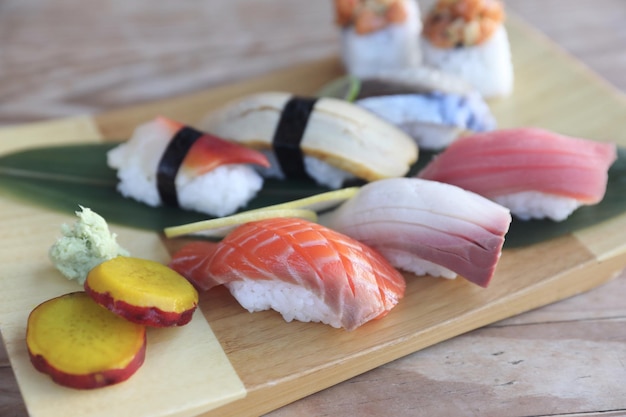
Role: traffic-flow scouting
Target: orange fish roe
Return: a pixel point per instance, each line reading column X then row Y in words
column 457, row 23
column 369, row 16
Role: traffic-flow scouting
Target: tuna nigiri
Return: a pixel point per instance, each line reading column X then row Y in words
column 167, row 163
column 533, row 172
column 427, row 227
column 301, row 269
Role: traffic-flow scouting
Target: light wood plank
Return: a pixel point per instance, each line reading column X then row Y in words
column 495, row 371
column 149, row 61
column 173, row 380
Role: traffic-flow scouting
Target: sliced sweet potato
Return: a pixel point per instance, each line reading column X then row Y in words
column 82, row 345
column 143, row 291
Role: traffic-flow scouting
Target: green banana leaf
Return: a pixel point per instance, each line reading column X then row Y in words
column 63, row 177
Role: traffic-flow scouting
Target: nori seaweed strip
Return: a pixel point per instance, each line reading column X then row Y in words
column 170, row 163
column 288, row 135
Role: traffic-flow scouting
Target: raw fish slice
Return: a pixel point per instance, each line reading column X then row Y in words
column 527, row 163
column 210, row 152
column 303, row 270
column 192, row 261
column 427, row 227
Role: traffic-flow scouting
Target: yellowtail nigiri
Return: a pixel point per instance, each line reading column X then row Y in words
column 427, row 227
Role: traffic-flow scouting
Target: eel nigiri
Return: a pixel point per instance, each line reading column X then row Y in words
column 467, row 38
column 301, row 269
column 324, row 139
column 378, row 34
column 427, row 227
column 167, row 163
column 534, row 172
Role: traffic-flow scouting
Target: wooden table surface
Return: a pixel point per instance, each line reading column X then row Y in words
column 63, row 58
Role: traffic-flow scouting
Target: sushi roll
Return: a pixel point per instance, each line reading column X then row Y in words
column 378, row 34
column 426, row 227
column 467, row 38
column 327, row 140
column 302, row 270
column 167, row 163
column 534, row 172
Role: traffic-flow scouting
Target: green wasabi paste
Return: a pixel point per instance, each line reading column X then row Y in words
column 84, row 245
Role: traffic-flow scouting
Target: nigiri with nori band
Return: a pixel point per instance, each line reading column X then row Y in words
column 325, row 139
column 167, row 163
column 301, row 269
column 426, row 227
column 534, row 172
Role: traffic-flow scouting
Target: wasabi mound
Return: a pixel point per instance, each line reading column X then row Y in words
column 84, row 246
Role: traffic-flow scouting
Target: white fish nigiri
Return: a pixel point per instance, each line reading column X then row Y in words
column 427, row 227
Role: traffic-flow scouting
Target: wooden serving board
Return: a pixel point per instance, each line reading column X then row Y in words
column 230, row 362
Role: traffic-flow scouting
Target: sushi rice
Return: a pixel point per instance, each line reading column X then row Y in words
column 293, row 302
column 321, row 172
column 407, row 262
column 528, row 205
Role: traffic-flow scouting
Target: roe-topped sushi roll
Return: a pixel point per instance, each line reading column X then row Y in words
column 167, row 163
column 467, row 38
column 533, row 172
column 378, row 34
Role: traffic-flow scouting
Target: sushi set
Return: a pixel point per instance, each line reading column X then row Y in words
column 227, row 361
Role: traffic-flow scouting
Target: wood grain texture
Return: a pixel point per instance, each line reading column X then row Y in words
column 60, row 59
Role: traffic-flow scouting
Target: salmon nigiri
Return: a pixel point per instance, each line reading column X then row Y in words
column 301, row 269
column 168, row 163
column 533, row 172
